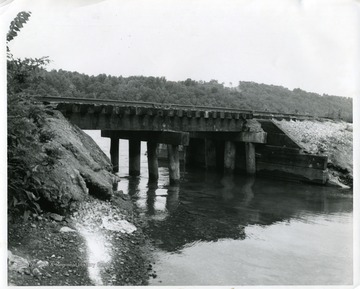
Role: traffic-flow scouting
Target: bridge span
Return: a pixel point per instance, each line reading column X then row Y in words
column 232, row 140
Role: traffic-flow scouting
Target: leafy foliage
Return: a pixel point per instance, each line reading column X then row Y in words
column 18, row 23
column 24, row 126
column 24, row 75
column 23, row 132
column 247, row 95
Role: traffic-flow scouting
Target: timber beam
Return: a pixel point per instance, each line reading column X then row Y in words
column 164, row 137
column 251, row 137
column 108, row 117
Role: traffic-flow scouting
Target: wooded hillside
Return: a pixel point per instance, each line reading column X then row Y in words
column 247, row 95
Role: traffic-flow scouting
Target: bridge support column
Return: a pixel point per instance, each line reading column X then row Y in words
column 210, row 154
column 152, row 161
column 250, row 158
column 174, row 164
column 134, row 157
column 229, row 157
column 195, row 153
column 114, row 153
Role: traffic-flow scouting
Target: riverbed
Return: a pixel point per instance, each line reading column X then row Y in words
column 238, row 230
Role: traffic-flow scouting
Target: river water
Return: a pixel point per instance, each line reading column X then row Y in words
column 216, row 230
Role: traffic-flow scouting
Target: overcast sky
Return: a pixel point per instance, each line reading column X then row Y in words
column 310, row 44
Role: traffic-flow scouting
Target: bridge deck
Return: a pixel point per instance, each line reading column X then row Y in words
column 214, row 135
column 255, row 113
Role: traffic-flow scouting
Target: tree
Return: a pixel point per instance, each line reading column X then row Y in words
column 22, row 74
column 15, row 26
column 24, row 118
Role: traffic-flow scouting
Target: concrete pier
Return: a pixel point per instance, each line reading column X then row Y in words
column 152, row 161
column 250, row 158
column 114, row 154
column 134, row 157
column 210, row 154
column 174, row 164
column 229, row 157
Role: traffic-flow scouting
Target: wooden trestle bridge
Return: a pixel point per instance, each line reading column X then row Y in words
column 230, row 139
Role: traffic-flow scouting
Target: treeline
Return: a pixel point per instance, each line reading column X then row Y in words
column 247, row 95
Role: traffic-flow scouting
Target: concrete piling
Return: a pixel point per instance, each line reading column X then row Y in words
column 152, row 161
column 134, row 157
column 210, row 154
column 250, row 158
column 174, row 164
column 114, row 153
column 229, row 157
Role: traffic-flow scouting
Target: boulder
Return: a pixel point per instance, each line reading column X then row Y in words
column 17, row 263
column 70, row 165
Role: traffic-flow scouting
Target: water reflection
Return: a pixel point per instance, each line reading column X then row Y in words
column 150, row 201
column 243, row 230
column 208, row 206
column 172, row 200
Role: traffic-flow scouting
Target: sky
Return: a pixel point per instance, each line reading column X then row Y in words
column 307, row 44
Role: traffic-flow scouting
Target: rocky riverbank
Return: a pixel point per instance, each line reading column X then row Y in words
column 66, row 224
column 99, row 244
column 328, row 138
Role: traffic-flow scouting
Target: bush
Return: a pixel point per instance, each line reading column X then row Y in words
column 23, row 140
column 24, row 125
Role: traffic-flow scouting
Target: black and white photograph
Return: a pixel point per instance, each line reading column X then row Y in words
column 180, row 143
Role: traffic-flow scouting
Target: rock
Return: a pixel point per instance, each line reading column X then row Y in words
column 33, row 225
column 42, row 264
column 56, row 217
column 334, row 181
column 66, row 230
column 36, row 272
column 122, row 226
column 17, row 263
column 68, row 220
column 71, row 165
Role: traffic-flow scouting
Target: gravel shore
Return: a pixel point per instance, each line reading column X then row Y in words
column 99, row 244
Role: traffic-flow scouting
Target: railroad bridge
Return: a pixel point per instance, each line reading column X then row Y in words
column 228, row 139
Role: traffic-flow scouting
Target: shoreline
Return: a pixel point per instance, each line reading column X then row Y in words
column 50, row 249
column 60, row 253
